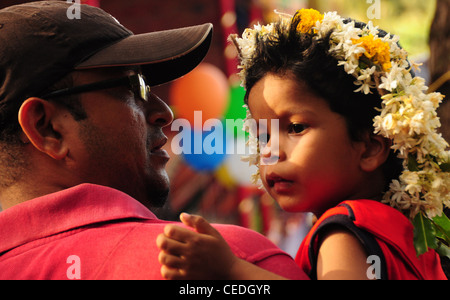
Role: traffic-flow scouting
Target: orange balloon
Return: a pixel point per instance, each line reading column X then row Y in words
column 204, row 89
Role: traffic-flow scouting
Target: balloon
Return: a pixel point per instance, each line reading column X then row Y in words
column 235, row 111
column 205, row 150
column 204, row 89
column 240, row 171
column 224, row 177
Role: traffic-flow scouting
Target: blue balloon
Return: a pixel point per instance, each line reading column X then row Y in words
column 204, row 150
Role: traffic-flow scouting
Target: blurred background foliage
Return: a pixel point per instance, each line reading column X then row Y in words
column 410, row 19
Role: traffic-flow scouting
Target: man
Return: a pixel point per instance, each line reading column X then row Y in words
column 81, row 141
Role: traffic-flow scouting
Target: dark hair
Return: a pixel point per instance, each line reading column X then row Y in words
column 308, row 59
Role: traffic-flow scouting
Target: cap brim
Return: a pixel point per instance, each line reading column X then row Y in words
column 163, row 55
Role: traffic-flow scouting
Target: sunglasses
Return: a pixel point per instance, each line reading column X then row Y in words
column 135, row 83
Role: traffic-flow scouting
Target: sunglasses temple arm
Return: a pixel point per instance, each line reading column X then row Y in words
column 89, row 87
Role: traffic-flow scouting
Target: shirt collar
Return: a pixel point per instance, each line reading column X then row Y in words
column 61, row 211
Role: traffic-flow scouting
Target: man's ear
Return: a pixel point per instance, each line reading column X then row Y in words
column 39, row 122
column 375, row 153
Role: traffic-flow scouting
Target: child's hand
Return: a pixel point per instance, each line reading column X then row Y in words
column 186, row 254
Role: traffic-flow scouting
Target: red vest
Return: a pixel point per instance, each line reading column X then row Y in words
column 383, row 231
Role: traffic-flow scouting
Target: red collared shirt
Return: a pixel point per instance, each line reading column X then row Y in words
column 95, row 232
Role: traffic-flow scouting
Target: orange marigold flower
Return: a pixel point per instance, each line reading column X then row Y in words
column 308, row 19
column 376, row 50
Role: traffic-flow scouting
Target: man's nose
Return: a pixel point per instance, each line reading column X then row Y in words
column 159, row 113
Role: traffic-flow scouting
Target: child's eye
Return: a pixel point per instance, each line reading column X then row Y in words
column 297, row 128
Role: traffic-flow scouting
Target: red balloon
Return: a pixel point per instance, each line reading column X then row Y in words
column 204, row 89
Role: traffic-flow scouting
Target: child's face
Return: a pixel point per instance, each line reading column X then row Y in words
column 318, row 164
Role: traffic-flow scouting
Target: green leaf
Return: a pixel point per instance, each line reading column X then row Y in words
column 413, row 166
column 442, row 225
column 424, row 234
column 443, row 250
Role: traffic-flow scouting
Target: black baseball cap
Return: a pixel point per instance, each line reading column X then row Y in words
column 40, row 44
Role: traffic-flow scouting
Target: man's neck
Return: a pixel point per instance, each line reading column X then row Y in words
column 21, row 192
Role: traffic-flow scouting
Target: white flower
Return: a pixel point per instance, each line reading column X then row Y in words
column 391, row 79
column 365, row 87
column 252, row 143
column 350, row 66
column 370, row 29
column 365, row 80
column 330, row 21
column 412, row 181
column 366, row 74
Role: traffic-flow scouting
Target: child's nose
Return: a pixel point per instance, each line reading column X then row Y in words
column 270, row 153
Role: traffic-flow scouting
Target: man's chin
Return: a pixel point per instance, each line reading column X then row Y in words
column 157, row 198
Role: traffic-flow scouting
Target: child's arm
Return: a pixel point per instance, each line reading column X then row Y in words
column 341, row 257
column 204, row 254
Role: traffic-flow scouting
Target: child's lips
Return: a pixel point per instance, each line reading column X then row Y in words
column 279, row 184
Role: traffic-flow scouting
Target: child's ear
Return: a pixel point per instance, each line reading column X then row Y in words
column 40, row 125
column 375, row 153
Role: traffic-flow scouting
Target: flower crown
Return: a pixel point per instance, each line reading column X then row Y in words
column 407, row 115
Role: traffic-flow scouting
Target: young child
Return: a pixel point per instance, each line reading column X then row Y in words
column 329, row 81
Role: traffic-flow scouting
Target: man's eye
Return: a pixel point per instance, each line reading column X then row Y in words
column 297, row 128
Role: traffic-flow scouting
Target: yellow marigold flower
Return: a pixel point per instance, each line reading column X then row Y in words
column 308, row 19
column 376, row 50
